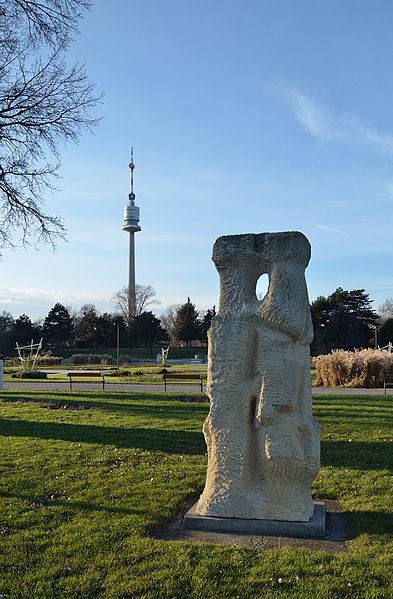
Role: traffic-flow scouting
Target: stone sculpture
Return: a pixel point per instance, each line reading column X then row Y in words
column 262, row 439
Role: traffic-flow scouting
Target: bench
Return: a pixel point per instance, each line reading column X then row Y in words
column 179, row 378
column 388, row 382
column 97, row 375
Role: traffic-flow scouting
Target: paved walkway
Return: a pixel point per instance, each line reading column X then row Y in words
column 93, row 386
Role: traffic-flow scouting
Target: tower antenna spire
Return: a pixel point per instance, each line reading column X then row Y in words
column 132, row 166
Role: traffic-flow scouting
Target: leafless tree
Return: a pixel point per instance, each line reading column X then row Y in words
column 74, row 314
column 386, row 309
column 145, row 296
column 48, row 20
column 168, row 319
column 43, row 103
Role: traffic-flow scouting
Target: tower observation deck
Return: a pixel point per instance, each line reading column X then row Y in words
column 131, row 226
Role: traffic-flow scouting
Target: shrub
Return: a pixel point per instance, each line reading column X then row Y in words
column 363, row 368
column 78, row 359
column 104, row 359
column 125, row 360
column 92, row 359
column 30, row 374
column 120, row 372
column 49, row 360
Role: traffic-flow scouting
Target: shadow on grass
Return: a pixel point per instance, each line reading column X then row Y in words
column 359, row 455
column 170, row 441
column 148, row 405
column 371, row 523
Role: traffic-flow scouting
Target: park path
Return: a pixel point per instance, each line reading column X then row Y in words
column 178, row 388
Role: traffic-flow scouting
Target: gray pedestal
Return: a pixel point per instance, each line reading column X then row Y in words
column 313, row 529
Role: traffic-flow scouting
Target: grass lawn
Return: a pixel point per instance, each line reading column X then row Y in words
column 150, row 375
column 81, row 491
column 127, row 374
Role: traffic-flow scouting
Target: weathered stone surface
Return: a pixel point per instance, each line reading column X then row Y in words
column 315, row 528
column 263, row 442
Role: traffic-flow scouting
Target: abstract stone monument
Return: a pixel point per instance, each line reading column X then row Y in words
column 262, row 439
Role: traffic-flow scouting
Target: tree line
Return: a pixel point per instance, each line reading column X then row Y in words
column 342, row 320
column 64, row 327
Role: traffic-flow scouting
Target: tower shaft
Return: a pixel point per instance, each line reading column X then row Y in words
column 131, row 276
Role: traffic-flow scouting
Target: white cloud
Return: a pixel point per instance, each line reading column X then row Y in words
column 318, row 120
column 333, row 230
column 378, row 140
column 314, row 117
column 21, row 295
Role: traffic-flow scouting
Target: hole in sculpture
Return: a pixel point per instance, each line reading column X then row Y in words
column 262, row 286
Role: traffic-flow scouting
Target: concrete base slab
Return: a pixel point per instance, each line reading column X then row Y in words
column 313, row 529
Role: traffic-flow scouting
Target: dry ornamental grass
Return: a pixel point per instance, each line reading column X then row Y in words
column 364, row 368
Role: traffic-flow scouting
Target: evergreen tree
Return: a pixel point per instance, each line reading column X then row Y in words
column 187, row 325
column 86, row 333
column 7, row 337
column 206, row 323
column 23, row 330
column 146, row 329
column 386, row 332
column 343, row 320
column 106, row 330
column 356, row 302
column 123, row 332
column 58, row 329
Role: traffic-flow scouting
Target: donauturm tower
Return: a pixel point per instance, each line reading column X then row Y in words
column 131, row 226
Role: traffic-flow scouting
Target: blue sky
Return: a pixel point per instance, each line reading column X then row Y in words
column 245, row 116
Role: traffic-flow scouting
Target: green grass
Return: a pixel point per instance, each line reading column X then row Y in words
column 81, row 491
column 151, row 375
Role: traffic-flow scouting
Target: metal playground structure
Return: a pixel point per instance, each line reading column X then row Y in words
column 28, row 354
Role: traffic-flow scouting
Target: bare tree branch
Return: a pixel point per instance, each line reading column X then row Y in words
column 42, row 103
column 386, row 309
column 49, row 20
column 168, row 320
column 145, row 296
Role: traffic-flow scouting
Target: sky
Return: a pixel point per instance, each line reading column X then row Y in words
column 245, row 117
